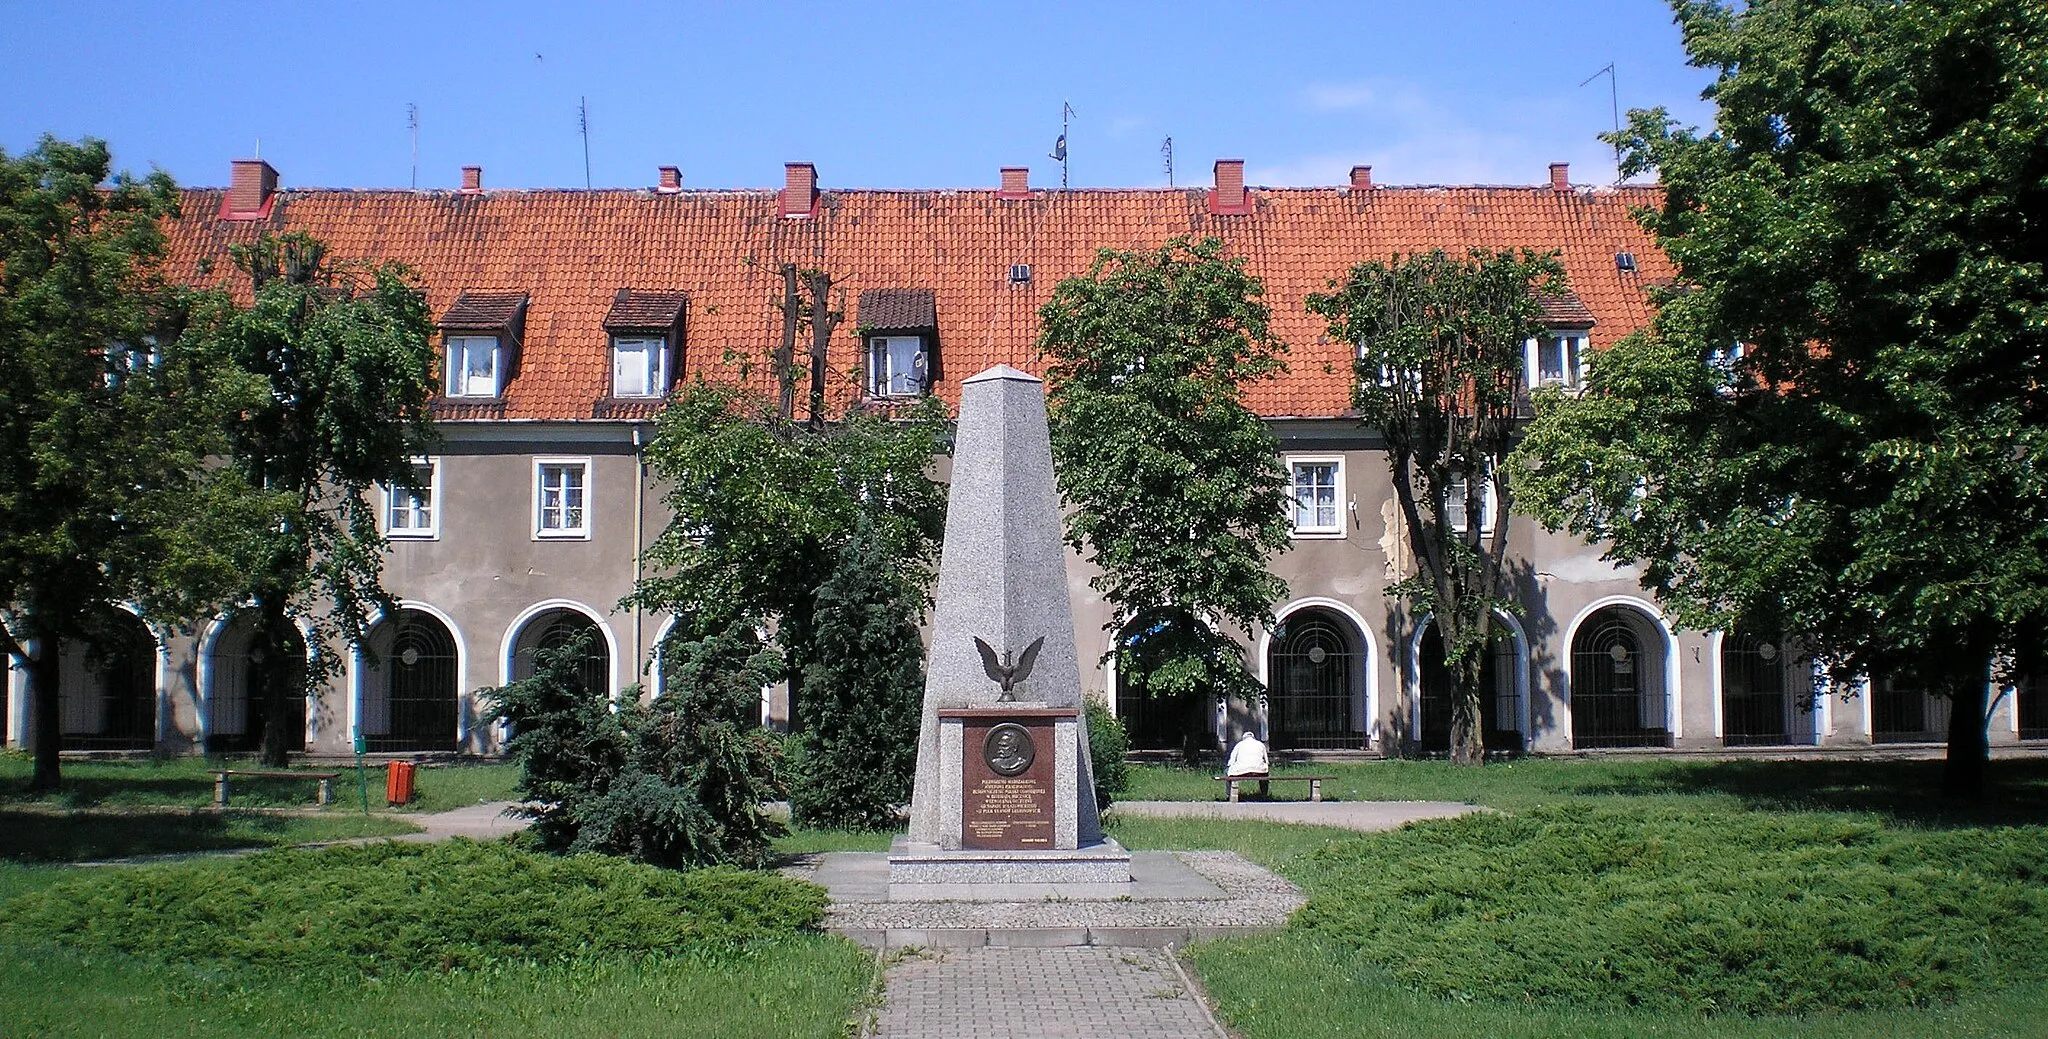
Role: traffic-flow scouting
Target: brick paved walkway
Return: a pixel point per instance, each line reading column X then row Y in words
column 1066, row 993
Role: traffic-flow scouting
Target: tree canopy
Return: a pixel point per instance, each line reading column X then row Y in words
column 1179, row 494
column 105, row 417
column 335, row 365
column 1864, row 226
column 1440, row 370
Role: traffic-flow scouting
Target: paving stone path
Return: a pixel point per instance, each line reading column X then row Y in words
column 1064, row 993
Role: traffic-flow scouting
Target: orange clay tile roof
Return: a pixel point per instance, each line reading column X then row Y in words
column 570, row 251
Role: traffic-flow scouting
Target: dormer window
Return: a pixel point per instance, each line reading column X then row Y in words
column 1558, row 356
column 639, row 366
column 482, row 330
column 644, row 325
column 901, row 328
column 473, row 366
column 896, row 366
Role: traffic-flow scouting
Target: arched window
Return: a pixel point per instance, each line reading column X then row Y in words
column 1500, row 699
column 1315, row 682
column 1903, row 711
column 554, row 629
column 1618, row 696
column 2031, row 693
column 240, row 674
column 106, row 687
column 1766, row 694
column 409, row 685
column 1158, row 721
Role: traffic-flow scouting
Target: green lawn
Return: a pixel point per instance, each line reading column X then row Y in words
column 38, row 834
column 187, row 782
column 1606, row 885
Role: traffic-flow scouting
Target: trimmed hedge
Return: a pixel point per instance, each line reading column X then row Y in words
column 395, row 908
column 1688, row 911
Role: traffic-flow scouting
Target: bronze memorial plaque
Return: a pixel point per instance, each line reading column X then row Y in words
column 1008, row 788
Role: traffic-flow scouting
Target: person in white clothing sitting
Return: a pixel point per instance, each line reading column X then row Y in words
column 1247, row 757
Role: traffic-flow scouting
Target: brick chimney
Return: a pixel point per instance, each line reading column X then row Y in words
column 251, row 185
column 1560, row 176
column 799, row 189
column 1361, row 178
column 1229, row 197
column 671, row 180
column 1016, row 182
column 472, row 180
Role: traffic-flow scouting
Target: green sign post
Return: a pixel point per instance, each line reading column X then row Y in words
column 362, row 777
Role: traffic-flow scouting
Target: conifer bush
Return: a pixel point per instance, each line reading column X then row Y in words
column 864, row 692
column 1108, row 747
column 676, row 782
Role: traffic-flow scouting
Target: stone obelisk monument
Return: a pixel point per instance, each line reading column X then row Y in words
column 1005, row 791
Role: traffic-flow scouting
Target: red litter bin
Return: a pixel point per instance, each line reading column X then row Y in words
column 398, row 783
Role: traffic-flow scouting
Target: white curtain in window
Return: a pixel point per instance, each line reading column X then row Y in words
column 473, row 366
column 637, row 367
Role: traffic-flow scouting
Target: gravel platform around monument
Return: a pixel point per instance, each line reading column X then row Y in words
column 1180, row 896
column 1364, row 816
column 1070, row 993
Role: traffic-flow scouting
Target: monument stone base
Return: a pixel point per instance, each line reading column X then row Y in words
column 1103, row 863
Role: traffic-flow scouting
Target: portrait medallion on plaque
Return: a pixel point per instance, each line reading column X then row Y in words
column 1008, row 786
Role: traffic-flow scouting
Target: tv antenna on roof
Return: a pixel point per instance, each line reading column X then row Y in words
column 412, row 122
column 1613, row 102
column 1166, row 149
column 1059, row 148
column 583, row 123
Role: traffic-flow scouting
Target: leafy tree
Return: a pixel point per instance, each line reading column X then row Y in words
column 338, row 362
column 1440, row 355
column 865, row 682
column 676, row 782
column 1108, row 746
column 761, row 508
column 105, row 417
column 1177, row 487
column 1865, row 221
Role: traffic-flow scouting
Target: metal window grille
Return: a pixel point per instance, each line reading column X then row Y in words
column 1313, row 698
column 236, row 707
column 556, row 629
column 1500, row 705
column 1755, row 710
column 413, row 687
column 110, row 686
column 1901, row 713
column 1617, row 688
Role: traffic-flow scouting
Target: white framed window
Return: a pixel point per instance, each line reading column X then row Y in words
column 1454, row 506
column 1318, row 493
column 896, row 366
column 1556, row 359
column 474, row 366
column 125, row 359
column 409, row 515
column 639, row 366
column 561, row 497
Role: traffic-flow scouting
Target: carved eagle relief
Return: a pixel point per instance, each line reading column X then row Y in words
column 1001, row 670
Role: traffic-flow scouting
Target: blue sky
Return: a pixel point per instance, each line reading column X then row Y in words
column 877, row 95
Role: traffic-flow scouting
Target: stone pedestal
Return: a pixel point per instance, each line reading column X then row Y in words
column 1009, row 776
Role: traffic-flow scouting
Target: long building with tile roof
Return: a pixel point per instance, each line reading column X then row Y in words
column 566, row 316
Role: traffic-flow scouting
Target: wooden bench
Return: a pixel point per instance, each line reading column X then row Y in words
column 1232, row 783
column 220, row 782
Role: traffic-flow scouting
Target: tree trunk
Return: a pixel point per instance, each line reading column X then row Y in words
column 1969, row 740
column 44, row 723
column 785, row 350
column 274, row 676
column 822, row 326
column 1468, row 734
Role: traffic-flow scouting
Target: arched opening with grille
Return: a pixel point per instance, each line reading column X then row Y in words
column 409, row 685
column 238, row 676
column 1618, row 692
column 1766, row 692
column 1500, row 696
column 1316, row 665
column 107, row 687
column 554, row 629
column 1154, row 719
column 1903, row 711
column 2030, row 693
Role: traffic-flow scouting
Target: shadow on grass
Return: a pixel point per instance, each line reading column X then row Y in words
column 81, row 836
column 1905, row 791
